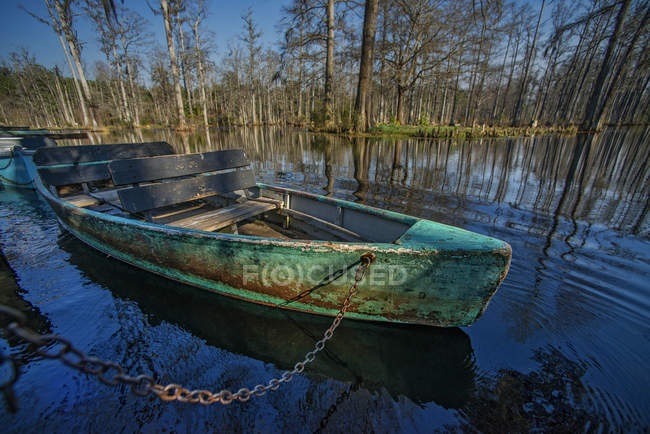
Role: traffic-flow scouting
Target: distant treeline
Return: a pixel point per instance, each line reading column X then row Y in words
column 344, row 65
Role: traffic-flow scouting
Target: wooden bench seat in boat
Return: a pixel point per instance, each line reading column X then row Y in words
column 69, row 165
column 211, row 191
column 99, row 153
column 223, row 217
column 181, row 179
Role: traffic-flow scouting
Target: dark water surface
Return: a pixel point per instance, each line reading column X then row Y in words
column 564, row 344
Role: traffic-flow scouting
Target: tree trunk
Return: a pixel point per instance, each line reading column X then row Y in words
column 510, row 75
column 129, row 73
column 164, row 6
column 118, row 73
column 204, row 101
column 64, row 107
column 452, row 114
column 365, row 68
column 598, row 116
column 400, row 104
column 74, row 52
column 469, row 109
column 503, row 68
column 542, row 108
column 329, row 67
column 183, row 63
column 59, row 32
column 590, row 121
column 524, row 82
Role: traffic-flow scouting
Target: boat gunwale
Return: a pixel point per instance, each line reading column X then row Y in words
column 401, row 245
column 251, row 239
column 424, row 241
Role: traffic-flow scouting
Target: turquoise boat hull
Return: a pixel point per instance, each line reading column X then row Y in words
column 433, row 274
column 16, row 167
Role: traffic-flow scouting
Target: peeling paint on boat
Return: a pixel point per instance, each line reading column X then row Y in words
column 451, row 273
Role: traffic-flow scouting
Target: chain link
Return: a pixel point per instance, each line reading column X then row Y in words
column 110, row 373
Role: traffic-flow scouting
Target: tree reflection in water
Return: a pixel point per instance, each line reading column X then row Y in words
column 574, row 305
column 552, row 398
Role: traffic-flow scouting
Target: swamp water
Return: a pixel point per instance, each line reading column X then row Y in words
column 564, row 344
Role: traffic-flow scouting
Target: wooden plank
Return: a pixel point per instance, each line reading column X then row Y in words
column 222, row 217
column 109, row 196
column 276, row 202
column 81, row 200
column 171, row 166
column 261, row 229
column 144, row 198
column 63, row 135
column 323, row 225
column 175, row 210
column 77, row 174
column 36, row 142
column 86, row 153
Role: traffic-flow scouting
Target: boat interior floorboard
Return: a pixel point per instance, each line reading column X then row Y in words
column 81, row 200
column 259, row 228
column 213, row 220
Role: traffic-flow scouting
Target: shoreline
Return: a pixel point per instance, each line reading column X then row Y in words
column 385, row 130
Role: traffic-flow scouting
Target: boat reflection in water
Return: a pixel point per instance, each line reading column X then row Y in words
column 425, row 364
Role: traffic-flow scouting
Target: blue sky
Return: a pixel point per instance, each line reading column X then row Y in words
column 18, row 29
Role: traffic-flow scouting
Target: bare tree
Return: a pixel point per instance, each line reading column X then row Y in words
column 64, row 15
column 329, row 67
column 167, row 20
column 250, row 37
column 198, row 15
column 365, row 67
column 529, row 59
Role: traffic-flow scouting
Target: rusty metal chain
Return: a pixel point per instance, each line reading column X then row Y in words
column 111, row 373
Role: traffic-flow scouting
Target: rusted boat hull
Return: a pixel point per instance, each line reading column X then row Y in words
column 433, row 275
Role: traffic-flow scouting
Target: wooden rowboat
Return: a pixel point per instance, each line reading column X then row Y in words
column 201, row 219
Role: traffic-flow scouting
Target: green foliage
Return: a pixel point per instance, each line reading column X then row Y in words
column 551, row 398
column 347, row 119
column 463, row 132
column 318, row 116
column 321, row 142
